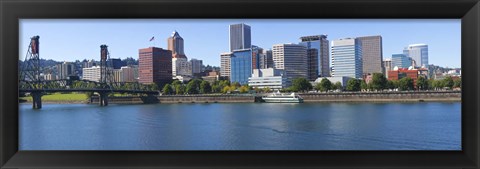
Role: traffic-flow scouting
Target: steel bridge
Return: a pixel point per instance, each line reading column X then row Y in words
column 31, row 81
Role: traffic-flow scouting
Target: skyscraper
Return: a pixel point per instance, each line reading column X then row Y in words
column 347, row 58
column 154, row 66
column 65, row 69
column 241, row 66
column 240, row 37
column 266, row 59
column 317, row 54
column 371, row 54
column 196, row 66
column 175, row 44
column 419, row 53
column 401, row 61
column 292, row 58
column 180, row 65
column 225, row 64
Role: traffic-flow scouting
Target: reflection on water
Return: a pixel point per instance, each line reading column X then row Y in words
column 242, row 126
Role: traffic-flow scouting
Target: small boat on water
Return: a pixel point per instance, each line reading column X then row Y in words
column 282, row 98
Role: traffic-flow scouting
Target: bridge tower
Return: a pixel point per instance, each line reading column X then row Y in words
column 106, row 75
column 30, row 71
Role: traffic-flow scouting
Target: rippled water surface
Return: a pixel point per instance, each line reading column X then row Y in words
column 242, row 126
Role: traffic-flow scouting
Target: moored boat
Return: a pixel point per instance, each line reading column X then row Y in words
column 282, row 98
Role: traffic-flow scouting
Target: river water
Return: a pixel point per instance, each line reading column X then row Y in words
column 242, row 126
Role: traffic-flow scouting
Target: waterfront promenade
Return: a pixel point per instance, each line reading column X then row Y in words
column 392, row 96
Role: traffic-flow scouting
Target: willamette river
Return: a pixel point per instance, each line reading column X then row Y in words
column 242, row 126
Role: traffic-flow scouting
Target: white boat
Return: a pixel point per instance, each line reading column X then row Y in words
column 282, row 98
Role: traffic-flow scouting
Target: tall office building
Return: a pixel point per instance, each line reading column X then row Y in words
column 124, row 74
column 65, row 69
column 196, row 65
column 265, row 59
column 371, row 54
column 225, row 64
column 175, row 44
column 240, row 36
column 180, row 64
column 241, row 66
column 418, row 53
column 154, row 66
column 317, row 54
column 292, row 58
column 115, row 63
column 347, row 58
column 401, row 61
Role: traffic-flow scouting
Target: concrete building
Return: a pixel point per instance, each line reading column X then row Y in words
column 401, row 61
column 115, row 63
column 270, row 77
column 347, row 58
column 124, row 74
column 292, row 58
column 181, row 67
column 92, row 74
column 418, row 53
column 196, row 65
column 387, row 65
column 241, row 66
column 240, row 36
column 400, row 73
column 318, row 59
column 89, row 63
column 372, row 54
column 225, row 65
column 65, row 69
column 155, row 66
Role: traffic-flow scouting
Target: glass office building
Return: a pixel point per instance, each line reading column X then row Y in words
column 318, row 59
column 241, row 66
column 240, row 37
column 347, row 58
column 418, row 53
column 401, row 61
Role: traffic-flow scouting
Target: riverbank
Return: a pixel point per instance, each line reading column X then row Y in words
column 423, row 96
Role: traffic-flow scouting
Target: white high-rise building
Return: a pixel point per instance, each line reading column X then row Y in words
column 418, row 53
column 225, row 64
column 347, row 58
column 292, row 58
column 92, row 74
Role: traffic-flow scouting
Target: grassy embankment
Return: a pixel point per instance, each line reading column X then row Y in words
column 69, row 97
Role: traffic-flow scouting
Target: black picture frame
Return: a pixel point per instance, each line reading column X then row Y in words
column 13, row 10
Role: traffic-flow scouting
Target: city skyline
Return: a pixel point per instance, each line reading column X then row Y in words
column 87, row 35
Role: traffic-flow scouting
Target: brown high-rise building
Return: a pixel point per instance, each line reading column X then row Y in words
column 371, row 54
column 175, row 44
column 154, row 66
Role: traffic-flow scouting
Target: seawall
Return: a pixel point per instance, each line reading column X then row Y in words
column 308, row 97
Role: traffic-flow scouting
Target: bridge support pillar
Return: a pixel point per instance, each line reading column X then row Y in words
column 103, row 99
column 37, row 100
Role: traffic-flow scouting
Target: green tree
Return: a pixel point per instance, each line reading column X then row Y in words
column 390, row 84
column 179, row 89
column 193, row 87
column 353, row 85
column 379, row 82
column 243, row 89
column 448, row 82
column 266, row 89
column 405, row 83
column 236, row 84
column 205, row 87
column 176, row 82
column 457, row 83
column 324, row 85
column 167, row 89
column 363, row 85
column 301, row 84
column 338, row 86
column 422, row 83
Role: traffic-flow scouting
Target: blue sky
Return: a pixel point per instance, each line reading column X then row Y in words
column 78, row 39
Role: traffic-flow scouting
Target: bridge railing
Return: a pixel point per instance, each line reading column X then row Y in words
column 83, row 84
